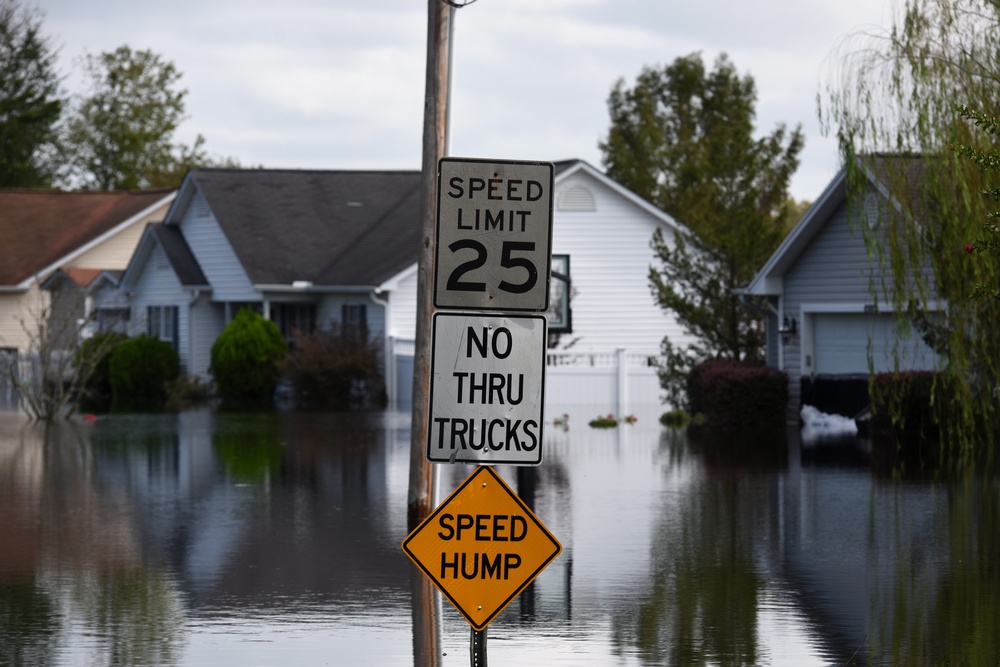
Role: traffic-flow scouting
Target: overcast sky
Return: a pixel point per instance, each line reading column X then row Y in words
column 340, row 84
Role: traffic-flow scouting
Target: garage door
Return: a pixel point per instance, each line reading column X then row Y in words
column 842, row 344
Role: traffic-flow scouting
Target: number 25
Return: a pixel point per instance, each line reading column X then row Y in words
column 507, row 261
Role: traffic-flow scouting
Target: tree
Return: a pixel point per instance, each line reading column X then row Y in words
column 683, row 138
column 988, row 160
column 30, row 101
column 49, row 375
column 901, row 91
column 121, row 135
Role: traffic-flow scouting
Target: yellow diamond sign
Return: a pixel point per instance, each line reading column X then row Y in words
column 482, row 546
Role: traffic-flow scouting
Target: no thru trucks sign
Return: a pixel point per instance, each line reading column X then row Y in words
column 487, row 388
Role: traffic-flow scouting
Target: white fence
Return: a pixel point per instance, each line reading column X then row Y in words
column 610, row 382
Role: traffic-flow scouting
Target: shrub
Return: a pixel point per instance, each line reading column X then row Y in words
column 244, row 358
column 740, row 397
column 141, row 368
column 675, row 419
column 95, row 354
column 904, row 425
column 694, row 384
column 187, row 392
column 335, row 369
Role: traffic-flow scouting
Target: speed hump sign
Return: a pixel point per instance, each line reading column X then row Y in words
column 494, row 234
column 482, row 547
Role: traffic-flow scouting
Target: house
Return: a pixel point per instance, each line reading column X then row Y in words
column 67, row 238
column 309, row 248
column 826, row 327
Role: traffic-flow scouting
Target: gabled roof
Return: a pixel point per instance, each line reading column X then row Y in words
column 903, row 172
column 179, row 255
column 566, row 168
column 41, row 230
column 768, row 280
column 177, row 251
column 331, row 228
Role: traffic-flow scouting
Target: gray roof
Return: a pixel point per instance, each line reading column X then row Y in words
column 343, row 228
column 179, row 255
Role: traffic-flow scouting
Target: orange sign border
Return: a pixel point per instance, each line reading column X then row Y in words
column 426, row 523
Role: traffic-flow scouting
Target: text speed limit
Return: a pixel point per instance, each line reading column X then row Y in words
column 494, row 235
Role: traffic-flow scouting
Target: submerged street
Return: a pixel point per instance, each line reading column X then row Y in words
column 209, row 538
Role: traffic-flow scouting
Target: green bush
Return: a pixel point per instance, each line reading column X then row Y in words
column 188, row 392
column 675, row 419
column 95, row 354
column 336, row 370
column 905, row 428
column 245, row 356
column 141, row 368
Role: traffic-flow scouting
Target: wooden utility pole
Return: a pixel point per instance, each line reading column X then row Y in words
column 420, row 499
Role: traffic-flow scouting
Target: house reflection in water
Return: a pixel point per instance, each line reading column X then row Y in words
column 178, row 539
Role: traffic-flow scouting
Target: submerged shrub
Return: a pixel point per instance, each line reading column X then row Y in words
column 141, row 368
column 337, row 369
column 94, row 356
column 245, row 356
column 675, row 419
column 739, row 396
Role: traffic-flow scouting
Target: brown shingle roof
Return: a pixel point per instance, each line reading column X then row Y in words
column 40, row 227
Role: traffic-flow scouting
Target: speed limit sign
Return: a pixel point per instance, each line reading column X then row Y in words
column 494, row 234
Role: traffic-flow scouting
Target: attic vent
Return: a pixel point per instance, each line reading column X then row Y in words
column 577, row 198
column 354, row 204
column 201, row 209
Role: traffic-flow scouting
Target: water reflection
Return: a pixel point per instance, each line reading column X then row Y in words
column 213, row 538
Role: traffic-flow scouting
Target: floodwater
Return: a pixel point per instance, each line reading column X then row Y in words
column 205, row 538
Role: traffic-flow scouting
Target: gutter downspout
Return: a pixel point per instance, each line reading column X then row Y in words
column 195, row 295
column 388, row 354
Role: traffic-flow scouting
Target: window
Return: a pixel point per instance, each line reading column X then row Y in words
column 354, row 320
column 294, row 319
column 161, row 322
column 113, row 319
column 560, row 314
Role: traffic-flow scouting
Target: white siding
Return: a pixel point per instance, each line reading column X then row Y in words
column 403, row 308
column 610, row 257
column 215, row 255
column 20, row 310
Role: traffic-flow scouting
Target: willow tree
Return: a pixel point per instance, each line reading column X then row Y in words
column 901, row 92
column 684, row 139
